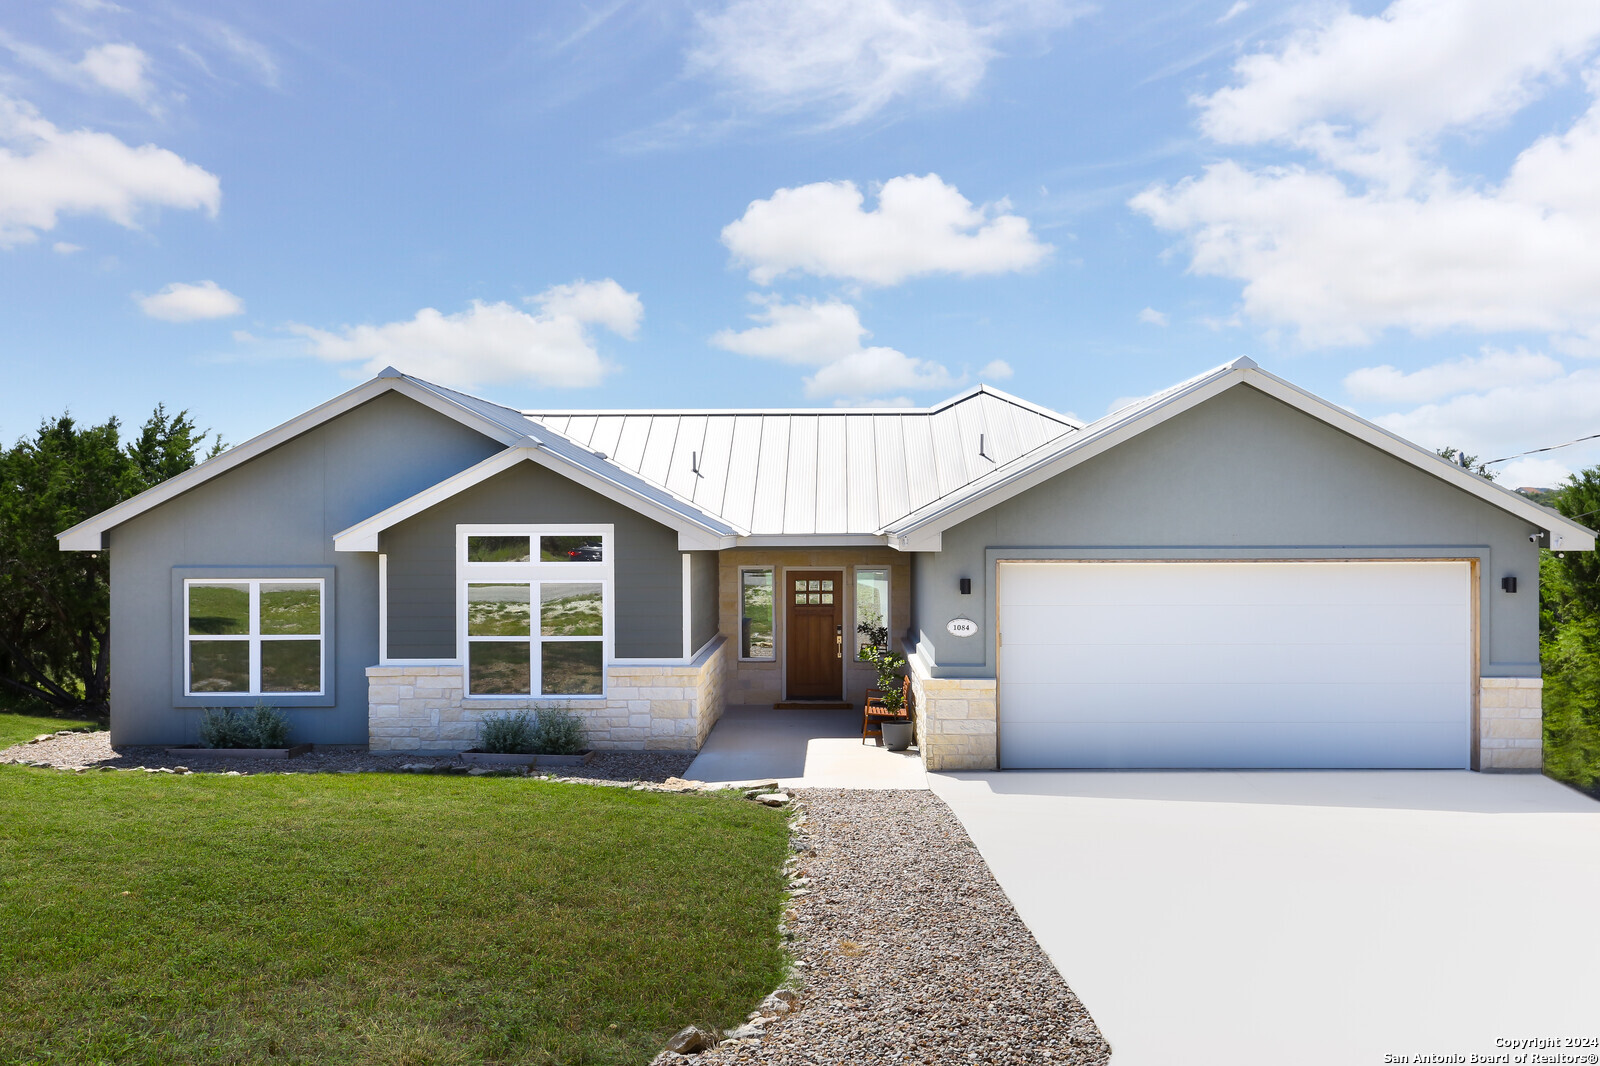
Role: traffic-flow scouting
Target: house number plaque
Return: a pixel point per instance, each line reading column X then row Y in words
column 962, row 627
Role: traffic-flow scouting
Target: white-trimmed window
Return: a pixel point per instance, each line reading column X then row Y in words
column 249, row 636
column 756, row 640
column 872, row 608
column 535, row 609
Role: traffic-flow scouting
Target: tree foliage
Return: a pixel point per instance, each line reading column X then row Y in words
column 55, row 605
column 1569, row 644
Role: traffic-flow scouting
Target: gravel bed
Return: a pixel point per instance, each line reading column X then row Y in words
column 93, row 751
column 908, row 951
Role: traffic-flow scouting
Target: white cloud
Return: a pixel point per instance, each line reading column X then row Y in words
column 1151, row 317
column 846, row 60
column 1386, row 384
column 920, row 226
column 66, row 247
column 995, row 370
column 492, row 342
column 1239, row 7
column 119, row 68
column 828, row 335
column 182, row 302
column 1362, row 91
column 604, row 303
column 1378, row 233
column 1507, row 418
column 46, row 172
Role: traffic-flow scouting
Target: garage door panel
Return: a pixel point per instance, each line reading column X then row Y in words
column 1112, row 584
column 1214, row 664
column 1218, row 663
column 1346, row 703
column 1281, row 745
column 1236, row 623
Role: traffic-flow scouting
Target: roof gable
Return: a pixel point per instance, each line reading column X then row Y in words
column 921, row 530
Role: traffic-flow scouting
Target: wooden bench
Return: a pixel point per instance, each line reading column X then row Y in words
column 874, row 712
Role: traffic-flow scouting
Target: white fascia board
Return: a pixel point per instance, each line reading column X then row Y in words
column 363, row 536
column 89, row 535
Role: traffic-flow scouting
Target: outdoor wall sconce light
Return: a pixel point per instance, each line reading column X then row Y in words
column 966, row 586
column 1508, row 584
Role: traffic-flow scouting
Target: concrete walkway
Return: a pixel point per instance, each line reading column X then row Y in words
column 1303, row 917
column 808, row 749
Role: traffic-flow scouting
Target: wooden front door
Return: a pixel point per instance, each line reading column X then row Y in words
column 815, row 641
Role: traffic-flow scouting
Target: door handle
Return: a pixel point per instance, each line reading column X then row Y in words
column 838, row 642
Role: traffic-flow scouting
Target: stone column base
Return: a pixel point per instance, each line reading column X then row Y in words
column 956, row 723
column 1510, row 724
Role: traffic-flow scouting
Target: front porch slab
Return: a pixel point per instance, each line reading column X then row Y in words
column 805, row 749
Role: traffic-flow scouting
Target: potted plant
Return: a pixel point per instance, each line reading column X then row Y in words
column 261, row 732
column 547, row 736
column 897, row 735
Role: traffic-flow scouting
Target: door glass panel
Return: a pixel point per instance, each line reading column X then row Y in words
column 799, row 585
column 291, row 608
column 815, row 585
column 827, row 585
column 799, row 597
column 219, row 666
column 814, row 597
column 219, row 610
column 570, row 609
column 571, row 668
column 827, row 597
column 291, row 665
column 498, row 611
column 498, row 549
column 579, row 549
column 499, row 668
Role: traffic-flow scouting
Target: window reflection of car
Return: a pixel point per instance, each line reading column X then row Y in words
column 584, row 553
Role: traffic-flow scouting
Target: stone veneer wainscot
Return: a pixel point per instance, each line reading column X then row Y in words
column 955, row 720
column 656, row 708
column 1510, row 723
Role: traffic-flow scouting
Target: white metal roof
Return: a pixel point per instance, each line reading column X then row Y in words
column 837, row 472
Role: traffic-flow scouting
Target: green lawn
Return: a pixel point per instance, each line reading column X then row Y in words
column 374, row 918
column 16, row 726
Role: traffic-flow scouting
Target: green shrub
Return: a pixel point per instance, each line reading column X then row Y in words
column 560, row 732
column 234, row 727
column 511, row 733
column 269, row 726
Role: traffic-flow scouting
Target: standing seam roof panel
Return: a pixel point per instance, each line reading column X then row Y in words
column 739, row 498
column 632, row 440
column 861, row 506
column 686, row 455
column 772, row 476
column 894, row 493
column 922, row 478
column 715, row 461
column 833, row 473
column 800, row 502
column 657, row 461
column 607, row 432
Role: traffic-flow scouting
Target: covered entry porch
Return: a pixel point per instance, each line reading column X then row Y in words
column 804, row 748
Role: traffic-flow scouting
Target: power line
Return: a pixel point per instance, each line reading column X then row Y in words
column 1536, row 451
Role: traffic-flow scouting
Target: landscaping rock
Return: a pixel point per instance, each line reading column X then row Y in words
column 691, row 1041
column 947, row 974
column 774, row 799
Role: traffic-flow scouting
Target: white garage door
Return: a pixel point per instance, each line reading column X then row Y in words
column 1257, row 664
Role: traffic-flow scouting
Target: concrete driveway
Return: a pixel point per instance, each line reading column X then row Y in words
column 1303, row 917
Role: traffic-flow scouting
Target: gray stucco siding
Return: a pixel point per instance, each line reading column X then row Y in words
column 648, row 567
column 1242, row 476
column 280, row 510
column 704, row 598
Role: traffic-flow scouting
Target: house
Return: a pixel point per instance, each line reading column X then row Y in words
column 1230, row 573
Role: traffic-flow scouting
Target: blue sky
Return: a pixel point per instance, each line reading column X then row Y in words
column 242, row 209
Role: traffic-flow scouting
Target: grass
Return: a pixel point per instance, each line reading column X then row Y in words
column 373, row 918
column 18, row 725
